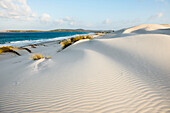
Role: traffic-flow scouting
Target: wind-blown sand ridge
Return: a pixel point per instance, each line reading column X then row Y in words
column 149, row 28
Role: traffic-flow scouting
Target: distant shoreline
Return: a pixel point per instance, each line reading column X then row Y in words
column 57, row 30
column 11, row 31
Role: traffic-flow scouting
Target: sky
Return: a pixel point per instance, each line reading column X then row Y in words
column 85, row 14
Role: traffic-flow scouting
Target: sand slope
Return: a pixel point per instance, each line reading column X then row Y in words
column 149, row 28
column 115, row 73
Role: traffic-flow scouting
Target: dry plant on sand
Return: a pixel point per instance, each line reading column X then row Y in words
column 10, row 49
column 67, row 42
column 39, row 56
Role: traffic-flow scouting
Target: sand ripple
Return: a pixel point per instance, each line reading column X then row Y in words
column 102, row 81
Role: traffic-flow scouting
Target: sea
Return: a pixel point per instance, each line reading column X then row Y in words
column 23, row 39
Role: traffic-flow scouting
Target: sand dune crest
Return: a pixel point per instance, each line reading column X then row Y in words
column 146, row 27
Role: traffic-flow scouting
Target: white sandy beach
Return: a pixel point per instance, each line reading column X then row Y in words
column 127, row 71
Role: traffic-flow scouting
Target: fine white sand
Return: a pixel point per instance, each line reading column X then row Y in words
column 123, row 72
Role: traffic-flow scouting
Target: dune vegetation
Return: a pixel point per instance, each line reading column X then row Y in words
column 101, row 34
column 10, row 49
column 39, row 56
column 20, row 48
column 67, row 42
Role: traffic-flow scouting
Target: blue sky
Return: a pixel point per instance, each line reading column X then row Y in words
column 86, row 14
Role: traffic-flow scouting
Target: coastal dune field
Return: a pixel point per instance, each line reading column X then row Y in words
column 127, row 71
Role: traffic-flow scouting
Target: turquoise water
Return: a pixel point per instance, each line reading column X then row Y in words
column 22, row 39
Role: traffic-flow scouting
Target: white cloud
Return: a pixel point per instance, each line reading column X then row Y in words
column 15, row 9
column 59, row 21
column 89, row 25
column 107, row 21
column 160, row 0
column 33, row 15
column 155, row 0
column 45, row 17
column 67, row 19
column 72, row 23
column 159, row 15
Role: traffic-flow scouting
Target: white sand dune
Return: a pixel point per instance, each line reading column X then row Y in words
column 149, row 28
column 116, row 73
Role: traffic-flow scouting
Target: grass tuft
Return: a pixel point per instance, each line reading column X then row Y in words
column 100, row 34
column 67, row 42
column 26, row 49
column 20, row 48
column 39, row 56
column 5, row 49
column 89, row 37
